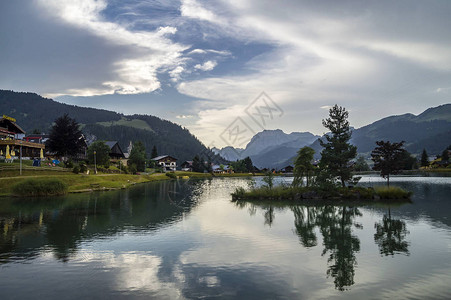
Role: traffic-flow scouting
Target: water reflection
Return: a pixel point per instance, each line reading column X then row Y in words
column 390, row 235
column 336, row 224
column 60, row 224
column 188, row 240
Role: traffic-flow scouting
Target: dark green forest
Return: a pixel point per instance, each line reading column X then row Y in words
column 34, row 112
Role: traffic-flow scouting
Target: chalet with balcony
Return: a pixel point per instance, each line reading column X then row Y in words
column 166, row 162
column 10, row 144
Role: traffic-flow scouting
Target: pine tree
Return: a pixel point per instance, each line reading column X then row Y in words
column 424, row 159
column 66, row 138
column 248, row 164
column 154, row 152
column 198, row 166
column 338, row 152
column 445, row 156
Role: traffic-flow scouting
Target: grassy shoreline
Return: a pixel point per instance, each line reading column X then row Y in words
column 82, row 183
column 79, row 183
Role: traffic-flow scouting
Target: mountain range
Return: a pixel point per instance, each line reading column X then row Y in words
column 430, row 130
column 35, row 113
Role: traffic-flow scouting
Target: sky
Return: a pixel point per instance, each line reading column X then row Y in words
column 221, row 67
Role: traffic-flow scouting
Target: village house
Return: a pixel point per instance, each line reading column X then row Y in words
column 115, row 150
column 221, row 169
column 288, row 169
column 166, row 162
column 187, row 166
column 11, row 147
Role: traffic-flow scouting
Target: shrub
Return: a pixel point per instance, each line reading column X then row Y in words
column 132, row 169
column 392, row 192
column 69, row 164
column 76, row 169
column 83, row 168
column 171, row 175
column 40, row 187
column 238, row 193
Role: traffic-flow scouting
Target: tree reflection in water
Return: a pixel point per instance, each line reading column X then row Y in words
column 335, row 224
column 390, row 236
column 336, row 227
column 304, row 222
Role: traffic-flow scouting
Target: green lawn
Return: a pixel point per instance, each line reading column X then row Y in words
column 135, row 123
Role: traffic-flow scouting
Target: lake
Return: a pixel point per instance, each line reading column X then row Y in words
column 185, row 239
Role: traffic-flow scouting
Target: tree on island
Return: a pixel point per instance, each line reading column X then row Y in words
column 424, row 159
column 338, row 152
column 303, row 166
column 66, row 138
column 138, row 157
column 102, row 153
column 154, row 152
column 388, row 158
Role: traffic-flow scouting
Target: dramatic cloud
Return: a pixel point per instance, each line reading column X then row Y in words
column 210, row 59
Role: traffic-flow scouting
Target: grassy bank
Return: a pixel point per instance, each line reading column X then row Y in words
column 289, row 193
column 84, row 183
column 39, row 187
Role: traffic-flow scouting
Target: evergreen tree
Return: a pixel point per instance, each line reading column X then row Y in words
column 208, row 165
column 445, row 156
column 424, row 159
column 338, row 152
column 198, row 166
column 102, row 156
column 66, row 138
column 303, row 166
column 138, row 156
column 388, row 158
column 248, row 165
column 154, row 152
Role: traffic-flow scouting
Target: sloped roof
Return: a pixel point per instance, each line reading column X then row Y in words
column 162, row 157
column 110, row 143
column 11, row 126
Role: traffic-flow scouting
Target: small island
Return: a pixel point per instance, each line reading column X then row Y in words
column 332, row 178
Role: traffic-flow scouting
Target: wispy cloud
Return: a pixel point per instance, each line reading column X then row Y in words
column 148, row 51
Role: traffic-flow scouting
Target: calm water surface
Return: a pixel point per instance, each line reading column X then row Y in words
column 186, row 239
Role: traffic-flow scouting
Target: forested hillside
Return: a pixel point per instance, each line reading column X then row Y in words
column 34, row 112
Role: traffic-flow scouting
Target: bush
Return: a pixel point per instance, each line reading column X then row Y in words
column 76, row 169
column 132, row 169
column 69, row 164
column 83, row 168
column 171, row 175
column 40, row 187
